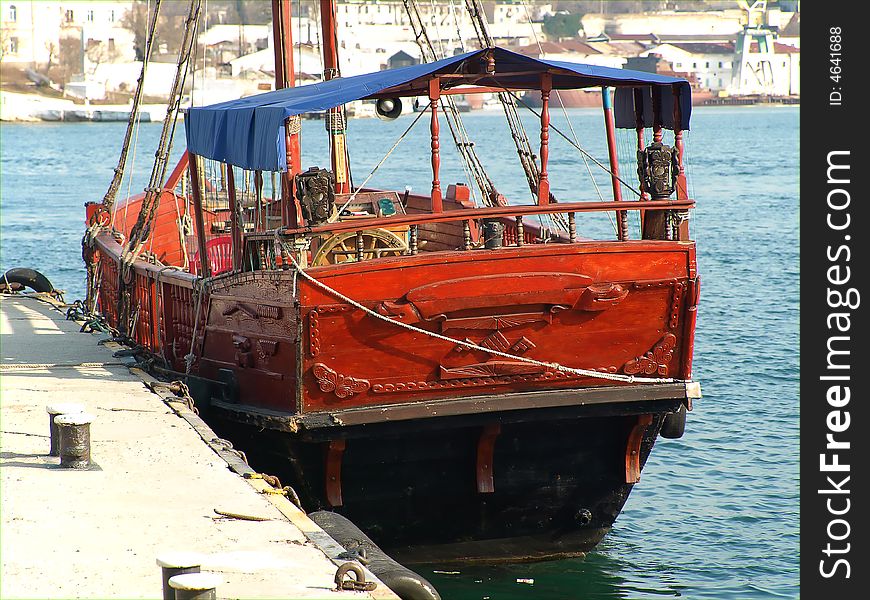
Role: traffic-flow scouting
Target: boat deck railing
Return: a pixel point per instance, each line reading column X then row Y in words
column 515, row 212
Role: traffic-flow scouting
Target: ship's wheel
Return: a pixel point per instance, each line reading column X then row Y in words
column 342, row 247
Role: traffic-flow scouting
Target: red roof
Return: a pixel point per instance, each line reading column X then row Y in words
column 728, row 48
column 566, row 46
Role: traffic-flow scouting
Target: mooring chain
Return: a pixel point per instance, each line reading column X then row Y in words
column 358, row 583
column 277, row 488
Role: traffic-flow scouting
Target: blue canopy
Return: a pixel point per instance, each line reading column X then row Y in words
column 249, row 132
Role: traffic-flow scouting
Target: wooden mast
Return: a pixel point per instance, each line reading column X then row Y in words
column 335, row 117
column 285, row 76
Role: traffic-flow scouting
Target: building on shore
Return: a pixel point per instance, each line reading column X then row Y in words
column 37, row 34
column 717, row 67
column 732, row 52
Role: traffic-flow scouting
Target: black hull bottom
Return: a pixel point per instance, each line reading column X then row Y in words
column 529, row 548
column 559, row 481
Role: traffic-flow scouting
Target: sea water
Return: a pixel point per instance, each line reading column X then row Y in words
column 716, row 512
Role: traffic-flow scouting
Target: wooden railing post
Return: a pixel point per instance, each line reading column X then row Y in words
column 434, row 95
column 544, row 177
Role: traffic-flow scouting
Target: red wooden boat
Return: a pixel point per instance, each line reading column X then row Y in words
column 445, row 374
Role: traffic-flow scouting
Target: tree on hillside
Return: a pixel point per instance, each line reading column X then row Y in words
column 562, row 25
column 70, row 57
column 51, row 47
column 135, row 21
column 170, row 25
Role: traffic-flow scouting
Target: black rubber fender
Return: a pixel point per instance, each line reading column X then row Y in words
column 407, row 584
column 30, row 278
column 674, row 424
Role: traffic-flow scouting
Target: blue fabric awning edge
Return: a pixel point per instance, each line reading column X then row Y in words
column 249, row 132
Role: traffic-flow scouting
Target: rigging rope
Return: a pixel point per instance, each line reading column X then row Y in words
column 562, row 104
column 473, row 346
column 461, row 139
column 109, row 198
column 577, row 146
column 108, row 205
column 528, row 160
column 142, row 228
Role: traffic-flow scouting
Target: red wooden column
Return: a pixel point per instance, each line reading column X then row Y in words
column 544, row 178
column 285, row 76
column 621, row 219
column 641, row 142
column 434, row 95
column 204, row 266
column 236, row 227
column 657, row 113
column 682, row 186
column 640, row 129
column 291, row 211
column 335, row 116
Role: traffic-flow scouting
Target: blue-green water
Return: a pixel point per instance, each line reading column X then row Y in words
column 716, row 513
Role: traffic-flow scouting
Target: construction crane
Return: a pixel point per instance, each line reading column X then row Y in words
column 753, row 71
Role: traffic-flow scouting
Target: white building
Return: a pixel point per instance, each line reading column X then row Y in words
column 726, row 22
column 716, row 65
column 574, row 51
column 31, row 31
column 362, row 24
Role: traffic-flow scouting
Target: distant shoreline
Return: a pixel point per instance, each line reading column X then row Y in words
column 16, row 107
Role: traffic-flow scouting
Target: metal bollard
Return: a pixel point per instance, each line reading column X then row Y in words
column 195, row 586
column 74, row 445
column 177, row 563
column 493, row 232
column 53, row 410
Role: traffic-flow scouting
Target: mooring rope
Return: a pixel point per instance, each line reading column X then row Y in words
column 473, row 346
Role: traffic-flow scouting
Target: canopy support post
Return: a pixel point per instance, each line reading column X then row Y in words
column 291, row 212
column 637, row 93
column 434, row 95
column 236, row 226
column 639, row 128
column 204, row 265
column 682, row 227
column 657, row 113
column 335, row 123
column 544, row 177
column 621, row 217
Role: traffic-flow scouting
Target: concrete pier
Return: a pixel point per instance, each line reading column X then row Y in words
column 153, row 488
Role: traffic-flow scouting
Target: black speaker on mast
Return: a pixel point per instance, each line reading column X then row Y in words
column 388, row 109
